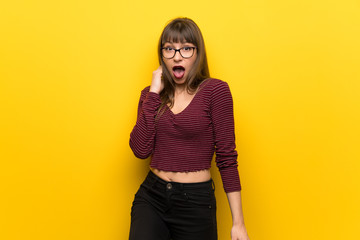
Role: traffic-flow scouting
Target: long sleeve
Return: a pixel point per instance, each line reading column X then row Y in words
column 223, row 125
column 142, row 137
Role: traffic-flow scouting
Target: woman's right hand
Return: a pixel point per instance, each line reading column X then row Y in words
column 157, row 84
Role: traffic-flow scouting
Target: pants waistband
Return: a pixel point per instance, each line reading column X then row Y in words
column 154, row 179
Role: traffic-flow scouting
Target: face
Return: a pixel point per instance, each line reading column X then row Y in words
column 178, row 66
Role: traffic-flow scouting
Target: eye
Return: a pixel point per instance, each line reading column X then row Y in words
column 168, row 49
column 187, row 48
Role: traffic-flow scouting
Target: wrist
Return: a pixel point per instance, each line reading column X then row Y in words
column 154, row 90
column 238, row 224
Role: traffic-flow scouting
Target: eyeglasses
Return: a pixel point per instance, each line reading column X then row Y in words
column 185, row 52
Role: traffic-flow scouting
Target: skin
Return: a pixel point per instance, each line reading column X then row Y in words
column 181, row 100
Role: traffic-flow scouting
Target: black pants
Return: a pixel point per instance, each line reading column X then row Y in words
column 169, row 210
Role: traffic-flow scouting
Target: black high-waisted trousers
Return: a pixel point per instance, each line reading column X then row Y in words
column 165, row 210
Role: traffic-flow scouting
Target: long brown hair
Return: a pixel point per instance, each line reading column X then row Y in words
column 183, row 30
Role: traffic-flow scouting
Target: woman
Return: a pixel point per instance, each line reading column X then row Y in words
column 184, row 116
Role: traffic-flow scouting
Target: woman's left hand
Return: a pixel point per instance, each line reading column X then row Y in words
column 239, row 233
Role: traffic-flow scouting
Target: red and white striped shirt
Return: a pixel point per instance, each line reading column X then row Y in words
column 186, row 141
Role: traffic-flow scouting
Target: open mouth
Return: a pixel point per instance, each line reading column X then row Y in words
column 179, row 71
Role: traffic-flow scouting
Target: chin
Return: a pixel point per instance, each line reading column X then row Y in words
column 179, row 81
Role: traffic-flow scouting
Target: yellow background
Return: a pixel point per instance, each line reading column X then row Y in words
column 71, row 74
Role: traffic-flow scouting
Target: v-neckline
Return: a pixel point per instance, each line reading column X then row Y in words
column 187, row 106
column 200, row 87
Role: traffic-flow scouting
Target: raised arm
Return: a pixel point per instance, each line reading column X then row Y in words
column 142, row 137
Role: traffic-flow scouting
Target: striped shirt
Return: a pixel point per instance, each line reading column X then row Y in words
column 186, row 141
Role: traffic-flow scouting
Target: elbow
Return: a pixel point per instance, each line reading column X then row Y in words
column 140, row 152
column 141, row 155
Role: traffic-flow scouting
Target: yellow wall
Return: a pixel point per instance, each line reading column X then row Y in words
column 70, row 77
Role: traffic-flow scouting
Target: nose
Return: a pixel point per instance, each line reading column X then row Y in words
column 177, row 56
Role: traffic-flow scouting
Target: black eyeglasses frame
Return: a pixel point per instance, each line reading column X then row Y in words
column 178, row 50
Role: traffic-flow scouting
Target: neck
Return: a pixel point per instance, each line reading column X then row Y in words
column 179, row 89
